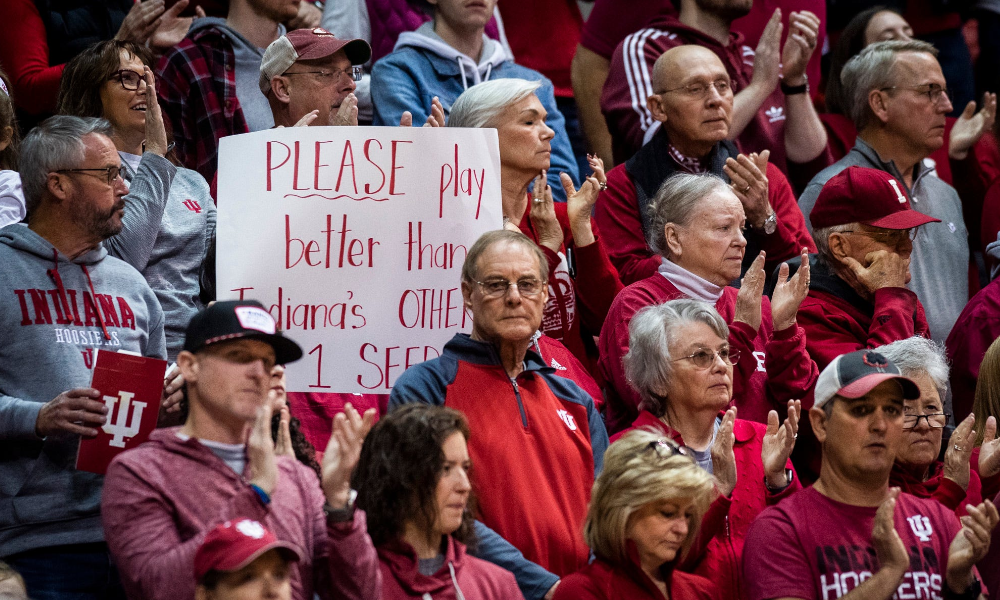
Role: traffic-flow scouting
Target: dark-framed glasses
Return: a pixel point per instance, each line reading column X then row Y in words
column 698, row 91
column 111, row 174
column 934, row 420
column 934, row 92
column 495, row 288
column 705, row 358
column 328, row 75
column 128, row 78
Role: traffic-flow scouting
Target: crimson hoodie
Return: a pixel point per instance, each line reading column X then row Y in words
column 977, row 327
column 938, row 487
column 717, row 554
column 629, row 84
column 462, row 577
column 773, row 366
column 162, row 498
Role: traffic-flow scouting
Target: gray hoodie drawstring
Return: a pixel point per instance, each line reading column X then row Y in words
column 461, row 69
column 489, row 69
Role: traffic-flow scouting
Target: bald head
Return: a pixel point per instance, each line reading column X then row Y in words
column 679, row 63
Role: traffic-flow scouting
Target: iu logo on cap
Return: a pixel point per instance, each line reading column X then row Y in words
column 899, row 192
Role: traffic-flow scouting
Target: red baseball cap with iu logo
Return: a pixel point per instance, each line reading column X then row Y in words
column 235, row 544
column 869, row 196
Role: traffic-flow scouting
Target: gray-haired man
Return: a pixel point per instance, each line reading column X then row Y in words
column 899, row 103
column 64, row 299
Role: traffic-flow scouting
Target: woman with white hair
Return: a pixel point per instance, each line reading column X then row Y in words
column 917, row 469
column 582, row 281
column 645, row 511
column 681, row 362
column 697, row 230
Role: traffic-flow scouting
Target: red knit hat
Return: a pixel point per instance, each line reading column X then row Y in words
column 869, row 196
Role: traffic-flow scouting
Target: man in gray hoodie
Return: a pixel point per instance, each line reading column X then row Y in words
column 899, row 104
column 65, row 300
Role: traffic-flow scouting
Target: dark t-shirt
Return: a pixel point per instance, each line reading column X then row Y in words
column 812, row 547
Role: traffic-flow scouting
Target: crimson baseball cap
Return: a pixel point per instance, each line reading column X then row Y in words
column 235, row 544
column 855, row 374
column 236, row 319
column 869, row 196
column 307, row 44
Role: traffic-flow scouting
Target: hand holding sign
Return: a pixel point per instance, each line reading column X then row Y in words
column 72, row 411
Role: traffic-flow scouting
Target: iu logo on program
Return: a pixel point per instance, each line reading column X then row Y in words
column 124, row 424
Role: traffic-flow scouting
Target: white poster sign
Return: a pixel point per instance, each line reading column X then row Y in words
column 354, row 239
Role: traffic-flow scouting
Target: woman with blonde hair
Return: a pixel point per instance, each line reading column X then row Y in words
column 645, row 511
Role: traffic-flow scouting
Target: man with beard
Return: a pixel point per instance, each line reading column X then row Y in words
column 764, row 116
column 208, row 83
column 64, row 299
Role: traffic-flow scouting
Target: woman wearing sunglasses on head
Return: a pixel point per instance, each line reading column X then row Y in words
column 645, row 511
column 169, row 216
column 681, row 364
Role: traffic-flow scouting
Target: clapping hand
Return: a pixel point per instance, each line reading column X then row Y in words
column 971, row 126
column 543, row 215
column 723, row 457
column 959, row 451
column 779, row 440
column 748, row 299
column 803, row 35
column 343, row 452
column 789, row 293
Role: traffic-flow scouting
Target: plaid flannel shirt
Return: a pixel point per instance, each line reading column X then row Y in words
column 197, row 91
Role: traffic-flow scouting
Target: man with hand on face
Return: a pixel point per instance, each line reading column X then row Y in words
column 164, row 497
column 864, row 227
column 65, row 300
column 850, row 535
column 898, row 102
column 538, row 442
column 309, row 78
column 692, row 138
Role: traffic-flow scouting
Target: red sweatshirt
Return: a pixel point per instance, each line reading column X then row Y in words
column 717, row 555
column 602, row 580
column 461, row 576
column 837, row 320
column 24, row 54
column 773, row 366
column 575, row 299
column 617, row 214
column 977, row 327
column 162, row 498
column 629, row 84
column 939, row 487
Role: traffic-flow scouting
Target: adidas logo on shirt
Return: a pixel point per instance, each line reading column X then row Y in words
column 775, row 114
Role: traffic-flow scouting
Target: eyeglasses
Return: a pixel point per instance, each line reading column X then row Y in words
column 665, row 448
column 495, row 288
column 355, row 73
column 892, row 237
column 934, row 421
column 705, row 358
column 934, row 92
column 128, row 78
column 111, row 174
column 698, row 91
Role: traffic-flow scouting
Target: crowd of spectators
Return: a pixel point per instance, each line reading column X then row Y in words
column 735, row 338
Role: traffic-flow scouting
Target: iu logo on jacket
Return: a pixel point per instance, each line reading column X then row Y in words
column 567, row 419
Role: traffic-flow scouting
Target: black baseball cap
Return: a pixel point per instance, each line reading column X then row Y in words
column 239, row 319
column 855, row 374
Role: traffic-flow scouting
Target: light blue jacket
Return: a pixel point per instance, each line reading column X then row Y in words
column 422, row 66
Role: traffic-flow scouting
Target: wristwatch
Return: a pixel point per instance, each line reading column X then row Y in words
column 770, row 224
column 792, row 90
column 970, row 593
column 341, row 515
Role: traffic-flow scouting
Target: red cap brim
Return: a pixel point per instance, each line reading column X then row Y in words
column 236, row 561
column 904, row 219
column 862, row 386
